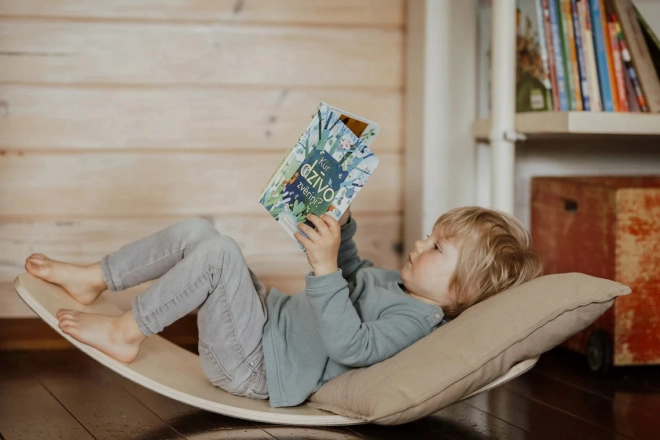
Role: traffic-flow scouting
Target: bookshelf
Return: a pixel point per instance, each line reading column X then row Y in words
column 560, row 124
column 505, row 127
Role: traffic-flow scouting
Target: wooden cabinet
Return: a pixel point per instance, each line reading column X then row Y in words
column 607, row 227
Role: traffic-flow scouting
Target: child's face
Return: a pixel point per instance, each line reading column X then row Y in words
column 429, row 268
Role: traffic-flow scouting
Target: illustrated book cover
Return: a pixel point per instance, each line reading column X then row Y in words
column 323, row 171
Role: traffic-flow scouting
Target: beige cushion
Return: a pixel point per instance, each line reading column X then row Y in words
column 470, row 351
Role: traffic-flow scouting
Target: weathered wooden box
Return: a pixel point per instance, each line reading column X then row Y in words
column 608, row 227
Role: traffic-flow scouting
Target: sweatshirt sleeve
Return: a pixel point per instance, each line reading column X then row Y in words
column 346, row 339
column 347, row 257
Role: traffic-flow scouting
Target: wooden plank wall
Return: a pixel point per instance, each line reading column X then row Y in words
column 118, row 118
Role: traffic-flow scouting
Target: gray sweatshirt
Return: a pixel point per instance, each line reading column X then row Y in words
column 351, row 318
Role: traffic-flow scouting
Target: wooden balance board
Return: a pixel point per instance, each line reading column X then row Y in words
column 175, row 372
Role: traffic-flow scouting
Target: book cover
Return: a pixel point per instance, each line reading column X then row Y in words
column 551, row 54
column 579, row 49
column 590, row 55
column 533, row 85
column 639, row 53
column 601, row 55
column 324, row 171
column 560, row 68
column 567, row 20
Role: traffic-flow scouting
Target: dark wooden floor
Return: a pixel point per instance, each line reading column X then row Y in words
column 67, row 395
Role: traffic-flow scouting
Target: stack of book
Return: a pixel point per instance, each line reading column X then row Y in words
column 581, row 55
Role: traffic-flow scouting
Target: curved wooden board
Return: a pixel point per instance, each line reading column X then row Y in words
column 165, row 367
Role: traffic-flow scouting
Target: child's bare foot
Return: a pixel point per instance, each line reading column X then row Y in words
column 117, row 336
column 83, row 283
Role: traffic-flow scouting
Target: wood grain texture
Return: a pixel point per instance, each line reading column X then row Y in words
column 136, row 184
column 126, row 53
column 63, row 118
column 337, row 12
column 28, row 410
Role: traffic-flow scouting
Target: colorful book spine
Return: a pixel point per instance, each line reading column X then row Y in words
column 582, row 67
column 569, row 62
column 551, row 54
column 639, row 53
column 610, row 58
column 601, row 55
column 540, row 20
column 618, row 66
column 560, row 67
column 574, row 70
column 590, row 55
column 630, row 69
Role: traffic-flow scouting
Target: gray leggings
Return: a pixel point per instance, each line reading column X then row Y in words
column 195, row 266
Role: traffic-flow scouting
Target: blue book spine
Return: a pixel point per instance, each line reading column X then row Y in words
column 582, row 66
column 560, row 66
column 601, row 55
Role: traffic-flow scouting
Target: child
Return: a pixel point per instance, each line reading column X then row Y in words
column 281, row 347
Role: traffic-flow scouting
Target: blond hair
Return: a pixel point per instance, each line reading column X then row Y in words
column 494, row 254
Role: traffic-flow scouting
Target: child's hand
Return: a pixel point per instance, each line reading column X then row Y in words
column 323, row 243
column 344, row 218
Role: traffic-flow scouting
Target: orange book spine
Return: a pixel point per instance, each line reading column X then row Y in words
column 618, row 67
column 610, row 60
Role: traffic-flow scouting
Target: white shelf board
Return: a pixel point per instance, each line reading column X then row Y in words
column 555, row 124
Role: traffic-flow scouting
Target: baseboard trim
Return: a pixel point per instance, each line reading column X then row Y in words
column 35, row 334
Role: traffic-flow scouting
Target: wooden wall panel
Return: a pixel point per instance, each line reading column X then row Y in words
column 118, row 118
column 336, row 12
column 141, row 184
column 129, row 53
column 47, row 117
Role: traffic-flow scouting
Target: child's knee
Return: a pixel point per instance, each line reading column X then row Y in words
column 199, row 229
column 222, row 246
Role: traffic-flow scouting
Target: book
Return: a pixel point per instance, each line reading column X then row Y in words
column 590, row 55
column 579, row 49
column 566, row 51
column 323, row 171
column 551, row 54
column 618, row 66
column 569, row 38
column 610, row 54
column 533, row 84
column 631, row 74
column 639, row 53
column 560, row 67
column 597, row 20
